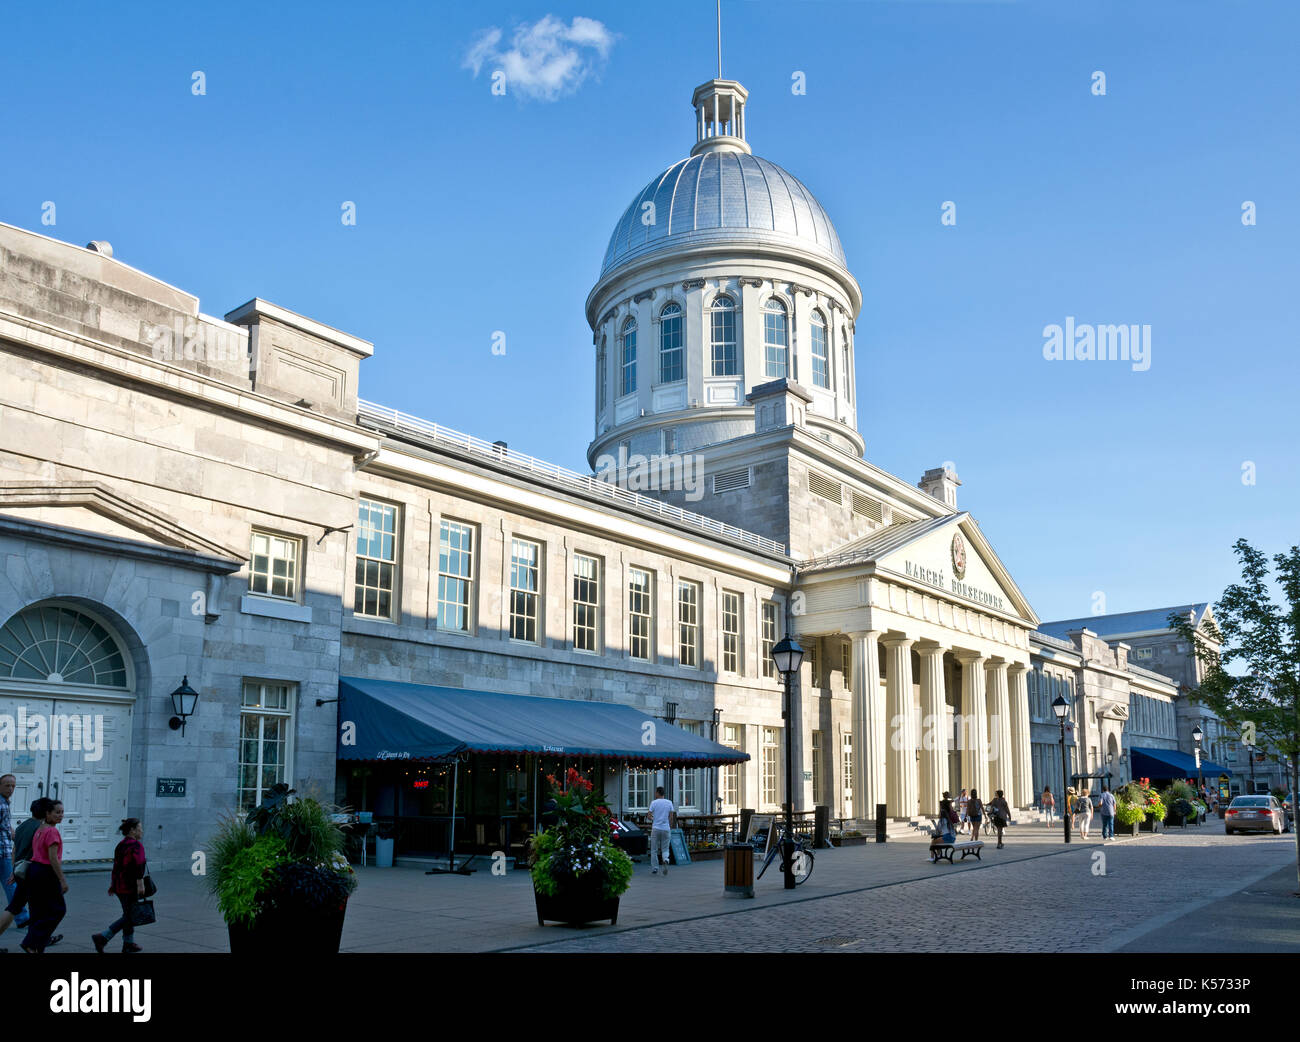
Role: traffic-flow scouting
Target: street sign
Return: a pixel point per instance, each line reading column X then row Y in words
column 169, row 787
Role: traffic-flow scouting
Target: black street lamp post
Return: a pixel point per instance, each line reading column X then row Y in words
column 1197, row 735
column 788, row 656
column 1062, row 708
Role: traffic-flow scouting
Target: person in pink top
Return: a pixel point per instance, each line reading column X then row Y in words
column 46, row 883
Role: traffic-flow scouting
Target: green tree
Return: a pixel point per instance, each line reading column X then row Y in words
column 1260, row 640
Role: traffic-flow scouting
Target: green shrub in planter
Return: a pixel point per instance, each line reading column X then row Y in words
column 1128, row 814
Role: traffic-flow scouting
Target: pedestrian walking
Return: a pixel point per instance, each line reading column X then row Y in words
column 1083, row 820
column 1107, row 809
column 46, row 883
column 7, row 785
column 1048, row 802
column 16, row 911
column 963, row 801
column 975, row 814
column 999, row 814
column 127, row 884
column 663, row 819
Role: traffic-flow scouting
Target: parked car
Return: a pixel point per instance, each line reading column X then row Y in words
column 1256, row 814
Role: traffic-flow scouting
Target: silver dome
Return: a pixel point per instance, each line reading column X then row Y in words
column 727, row 198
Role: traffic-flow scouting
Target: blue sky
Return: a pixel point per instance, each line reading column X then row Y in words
column 478, row 213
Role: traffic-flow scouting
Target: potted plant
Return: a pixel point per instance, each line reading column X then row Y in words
column 1128, row 816
column 578, row 872
column 280, row 876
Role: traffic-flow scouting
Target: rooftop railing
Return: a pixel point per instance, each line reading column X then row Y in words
column 368, row 413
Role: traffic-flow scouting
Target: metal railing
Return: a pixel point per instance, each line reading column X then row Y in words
column 370, row 413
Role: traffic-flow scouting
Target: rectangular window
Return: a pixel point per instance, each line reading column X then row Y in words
column 640, row 613
column 637, row 790
column 819, row 785
column 770, row 766
column 273, row 565
column 265, row 740
column 376, row 574
column 820, row 356
column 847, row 802
column 688, row 623
column 525, row 587
column 846, row 658
column 814, row 666
column 731, row 652
column 732, row 738
column 670, row 345
column 455, row 576
column 586, row 603
column 723, row 338
column 769, row 638
column 691, row 790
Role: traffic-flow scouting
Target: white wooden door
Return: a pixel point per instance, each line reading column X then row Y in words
column 29, row 766
column 93, row 791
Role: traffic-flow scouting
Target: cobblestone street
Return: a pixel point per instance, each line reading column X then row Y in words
column 1049, row 903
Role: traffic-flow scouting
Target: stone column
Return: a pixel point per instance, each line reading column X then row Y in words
column 973, row 733
column 934, row 732
column 1022, row 756
column 869, row 736
column 1001, row 772
column 900, row 754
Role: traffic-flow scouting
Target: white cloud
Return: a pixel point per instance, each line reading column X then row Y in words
column 545, row 59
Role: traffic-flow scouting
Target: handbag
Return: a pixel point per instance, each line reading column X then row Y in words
column 20, row 869
column 149, row 888
column 142, row 913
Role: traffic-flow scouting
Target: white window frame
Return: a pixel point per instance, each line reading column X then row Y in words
column 519, row 568
column 641, row 598
column 366, row 508
column 733, row 779
column 770, row 767
column 582, row 606
column 470, row 553
column 268, row 578
column 733, row 646
column 692, row 624
column 769, row 623
column 262, row 712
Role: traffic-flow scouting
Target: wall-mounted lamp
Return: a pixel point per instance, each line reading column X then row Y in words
column 184, row 701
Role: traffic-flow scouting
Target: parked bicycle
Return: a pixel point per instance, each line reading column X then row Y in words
column 803, row 856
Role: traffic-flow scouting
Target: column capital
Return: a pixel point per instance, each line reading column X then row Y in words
column 995, row 664
column 1016, row 668
column 898, row 642
column 930, row 649
column 859, row 634
column 970, row 658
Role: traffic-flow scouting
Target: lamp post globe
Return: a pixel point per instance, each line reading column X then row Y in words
column 788, row 656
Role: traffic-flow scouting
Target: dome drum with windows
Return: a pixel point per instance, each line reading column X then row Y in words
column 723, row 274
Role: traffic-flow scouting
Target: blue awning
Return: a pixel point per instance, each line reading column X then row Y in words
column 393, row 721
column 1170, row 763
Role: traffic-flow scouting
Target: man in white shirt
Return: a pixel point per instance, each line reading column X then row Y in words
column 663, row 818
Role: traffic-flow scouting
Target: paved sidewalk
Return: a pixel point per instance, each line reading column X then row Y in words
column 402, row 909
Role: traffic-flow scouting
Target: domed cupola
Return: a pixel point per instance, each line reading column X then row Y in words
column 724, row 274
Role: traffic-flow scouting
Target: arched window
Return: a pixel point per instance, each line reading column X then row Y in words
column 722, row 317
column 628, row 382
column 602, row 375
column 845, row 374
column 670, row 344
column 776, row 338
column 60, row 645
column 821, row 361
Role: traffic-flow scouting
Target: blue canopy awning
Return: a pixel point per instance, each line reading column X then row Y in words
column 1170, row 763
column 393, row 721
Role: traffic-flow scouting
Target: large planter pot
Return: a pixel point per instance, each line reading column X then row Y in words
column 1149, row 824
column 1131, row 829
column 1173, row 820
column 710, row 854
column 290, row 931
column 848, row 841
column 575, row 907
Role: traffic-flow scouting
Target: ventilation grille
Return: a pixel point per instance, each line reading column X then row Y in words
column 867, row 507
column 731, row 480
column 825, row 487
column 895, row 518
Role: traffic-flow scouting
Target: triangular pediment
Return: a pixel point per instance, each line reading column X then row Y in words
column 950, row 555
column 98, row 510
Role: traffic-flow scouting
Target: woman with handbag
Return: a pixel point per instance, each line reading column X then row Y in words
column 999, row 814
column 128, row 885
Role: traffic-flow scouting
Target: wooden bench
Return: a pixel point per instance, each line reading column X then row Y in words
column 940, row 851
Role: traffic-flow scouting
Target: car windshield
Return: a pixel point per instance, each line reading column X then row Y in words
column 1251, row 801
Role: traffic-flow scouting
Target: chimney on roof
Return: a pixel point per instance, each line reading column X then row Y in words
column 941, row 483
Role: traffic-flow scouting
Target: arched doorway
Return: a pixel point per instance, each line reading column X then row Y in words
column 67, row 691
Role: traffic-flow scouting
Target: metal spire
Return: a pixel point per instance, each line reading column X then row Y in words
column 719, row 39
